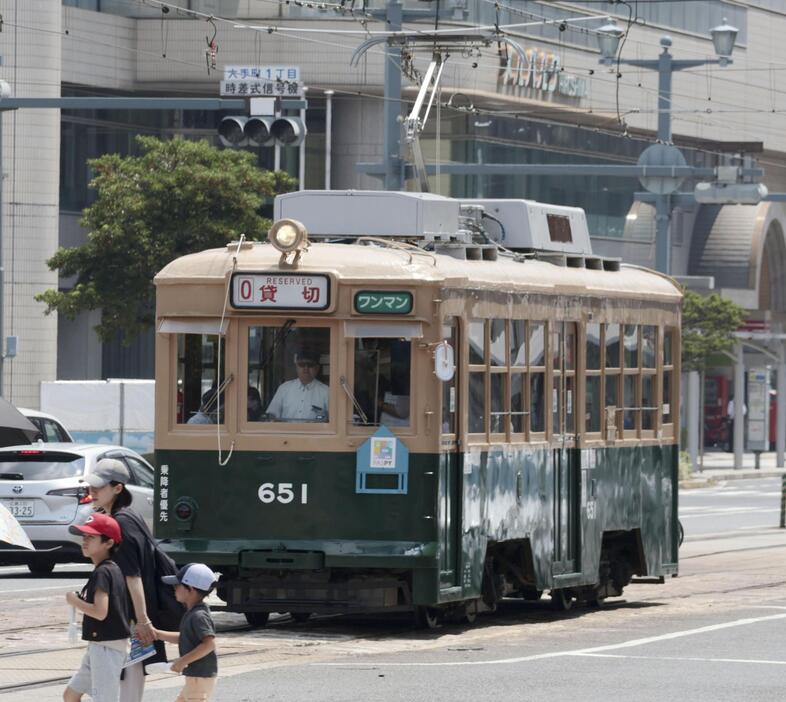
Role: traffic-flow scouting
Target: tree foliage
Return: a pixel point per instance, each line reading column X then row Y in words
column 708, row 323
column 175, row 198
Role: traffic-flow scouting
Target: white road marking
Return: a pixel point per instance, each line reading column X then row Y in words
column 729, row 511
column 581, row 651
column 683, row 658
column 63, row 588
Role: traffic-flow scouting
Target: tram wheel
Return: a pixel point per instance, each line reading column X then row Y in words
column 428, row 617
column 300, row 617
column 561, row 600
column 470, row 613
column 257, row 618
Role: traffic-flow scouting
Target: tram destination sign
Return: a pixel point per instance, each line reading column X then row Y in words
column 280, row 291
column 383, row 302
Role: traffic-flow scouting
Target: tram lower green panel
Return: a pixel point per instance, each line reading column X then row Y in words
column 456, row 508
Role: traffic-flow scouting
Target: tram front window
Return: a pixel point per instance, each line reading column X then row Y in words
column 288, row 374
column 382, row 381
column 198, row 382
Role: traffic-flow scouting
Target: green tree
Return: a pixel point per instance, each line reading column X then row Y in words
column 708, row 323
column 175, row 198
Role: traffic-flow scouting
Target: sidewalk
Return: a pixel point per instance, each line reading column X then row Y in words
column 719, row 465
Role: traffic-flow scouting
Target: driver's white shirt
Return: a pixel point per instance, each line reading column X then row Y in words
column 293, row 400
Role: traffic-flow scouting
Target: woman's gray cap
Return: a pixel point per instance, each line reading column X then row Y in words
column 106, row 471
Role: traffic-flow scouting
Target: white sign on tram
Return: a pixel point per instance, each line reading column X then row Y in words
column 280, row 291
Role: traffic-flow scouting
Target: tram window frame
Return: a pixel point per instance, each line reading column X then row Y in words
column 391, row 403
column 537, row 372
column 498, row 374
column 518, row 379
column 477, row 372
column 593, row 374
column 633, row 411
column 611, row 420
column 668, row 357
column 218, row 379
column 247, row 426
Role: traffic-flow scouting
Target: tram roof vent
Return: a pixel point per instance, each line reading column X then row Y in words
column 379, row 213
column 527, row 225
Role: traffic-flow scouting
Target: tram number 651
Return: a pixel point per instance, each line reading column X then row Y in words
column 282, row 492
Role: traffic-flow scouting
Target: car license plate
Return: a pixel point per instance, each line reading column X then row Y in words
column 20, row 508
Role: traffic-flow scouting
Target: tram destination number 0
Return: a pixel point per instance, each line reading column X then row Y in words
column 283, row 493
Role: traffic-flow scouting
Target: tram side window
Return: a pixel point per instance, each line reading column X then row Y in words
column 612, row 380
column 382, row 381
column 593, row 402
column 668, row 374
column 477, row 377
column 288, row 373
column 537, row 376
column 631, row 392
column 518, row 376
column 198, row 381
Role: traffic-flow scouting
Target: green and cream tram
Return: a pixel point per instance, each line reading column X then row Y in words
column 410, row 402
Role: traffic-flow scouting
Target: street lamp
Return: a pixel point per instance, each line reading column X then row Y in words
column 609, row 37
column 723, row 37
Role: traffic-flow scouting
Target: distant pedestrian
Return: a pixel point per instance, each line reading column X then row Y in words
column 137, row 557
column 104, row 603
column 196, row 639
column 730, row 420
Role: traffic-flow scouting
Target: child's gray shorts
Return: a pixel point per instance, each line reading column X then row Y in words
column 99, row 674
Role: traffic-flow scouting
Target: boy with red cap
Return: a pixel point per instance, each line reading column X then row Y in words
column 104, row 602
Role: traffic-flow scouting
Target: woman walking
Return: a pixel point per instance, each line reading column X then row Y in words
column 136, row 557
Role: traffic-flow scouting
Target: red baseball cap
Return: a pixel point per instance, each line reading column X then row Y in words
column 99, row 525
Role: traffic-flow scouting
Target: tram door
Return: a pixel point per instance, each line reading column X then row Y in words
column 450, row 470
column 566, row 470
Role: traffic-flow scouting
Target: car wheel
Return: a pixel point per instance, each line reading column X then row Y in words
column 41, row 567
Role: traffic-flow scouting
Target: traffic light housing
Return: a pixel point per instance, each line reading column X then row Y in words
column 261, row 130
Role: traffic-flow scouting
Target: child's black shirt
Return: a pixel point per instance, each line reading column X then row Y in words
column 107, row 577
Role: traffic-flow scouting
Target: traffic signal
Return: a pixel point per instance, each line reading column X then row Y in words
column 261, row 130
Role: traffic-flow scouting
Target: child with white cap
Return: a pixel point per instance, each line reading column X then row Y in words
column 196, row 639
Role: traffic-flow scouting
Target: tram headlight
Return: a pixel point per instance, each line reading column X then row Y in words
column 185, row 513
column 288, row 235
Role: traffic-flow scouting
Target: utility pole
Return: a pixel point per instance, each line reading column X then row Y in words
column 394, row 175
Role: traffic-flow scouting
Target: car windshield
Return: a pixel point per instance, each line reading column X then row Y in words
column 40, row 466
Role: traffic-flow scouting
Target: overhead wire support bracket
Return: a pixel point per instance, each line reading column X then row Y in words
column 443, row 40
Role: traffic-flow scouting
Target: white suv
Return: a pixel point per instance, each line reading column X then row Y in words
column 50, row 427
column 40, row 485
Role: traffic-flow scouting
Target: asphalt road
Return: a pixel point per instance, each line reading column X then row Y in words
column 715, row 633
column 736, row 507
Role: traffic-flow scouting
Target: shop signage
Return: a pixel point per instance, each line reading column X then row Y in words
column 538, row 74
column 280, row 291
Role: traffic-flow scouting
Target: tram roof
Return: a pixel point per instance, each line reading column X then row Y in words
column 383, row 264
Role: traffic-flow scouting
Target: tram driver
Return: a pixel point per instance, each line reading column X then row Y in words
column 303, row 398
